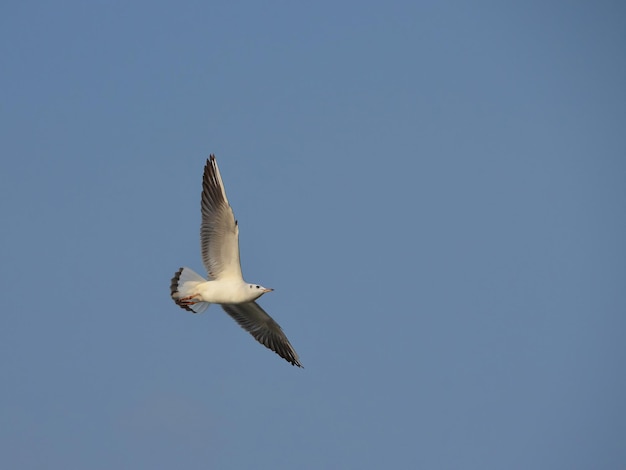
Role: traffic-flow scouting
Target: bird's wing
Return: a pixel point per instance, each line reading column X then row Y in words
column 252, row 318
column 219, row 233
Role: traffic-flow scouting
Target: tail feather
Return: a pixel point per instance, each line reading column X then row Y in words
column 182, row 284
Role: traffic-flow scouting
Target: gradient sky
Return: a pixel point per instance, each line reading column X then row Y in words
column 436, row 191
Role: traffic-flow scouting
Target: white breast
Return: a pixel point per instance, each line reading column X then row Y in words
column 227, row 292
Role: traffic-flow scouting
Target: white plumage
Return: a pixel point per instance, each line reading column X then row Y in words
column 219, row 242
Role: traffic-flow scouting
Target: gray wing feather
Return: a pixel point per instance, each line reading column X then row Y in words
column 252, row 318
column 219, row 233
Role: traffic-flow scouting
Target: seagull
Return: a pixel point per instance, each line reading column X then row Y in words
column 219, row 242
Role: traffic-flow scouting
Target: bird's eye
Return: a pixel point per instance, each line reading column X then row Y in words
column 258, row 287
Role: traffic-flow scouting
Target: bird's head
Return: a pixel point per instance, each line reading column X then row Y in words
column 258, row 289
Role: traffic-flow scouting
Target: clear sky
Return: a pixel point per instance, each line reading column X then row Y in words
column 435, row 190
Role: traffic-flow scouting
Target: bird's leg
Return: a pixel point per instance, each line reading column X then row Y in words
column 186, row 301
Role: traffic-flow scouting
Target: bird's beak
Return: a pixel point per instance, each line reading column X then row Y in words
column 267, row 290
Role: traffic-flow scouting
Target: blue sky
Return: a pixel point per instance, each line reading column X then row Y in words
column 434, row 189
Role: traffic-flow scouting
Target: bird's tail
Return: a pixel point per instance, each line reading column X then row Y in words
column 183, row 284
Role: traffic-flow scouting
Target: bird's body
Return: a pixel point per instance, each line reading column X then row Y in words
column 219, row 240
column 222, row 291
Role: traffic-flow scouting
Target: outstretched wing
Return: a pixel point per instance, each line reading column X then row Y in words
column 252, row 318
column 219, row 233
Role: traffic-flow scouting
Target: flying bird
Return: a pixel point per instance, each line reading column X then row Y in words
column 219, row 242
